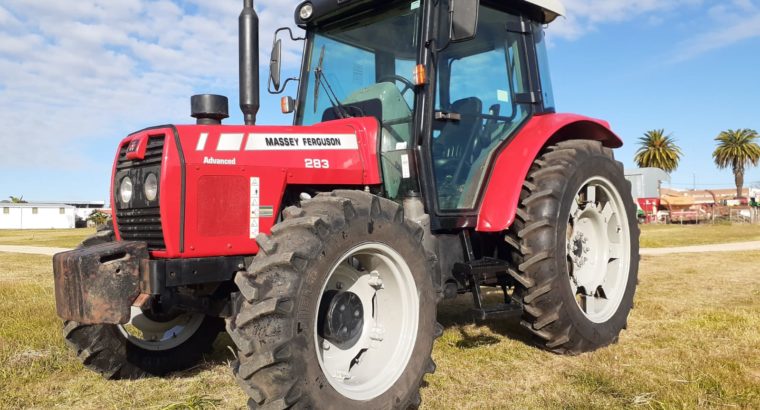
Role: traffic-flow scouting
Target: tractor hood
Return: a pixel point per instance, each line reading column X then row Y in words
column 220, row 186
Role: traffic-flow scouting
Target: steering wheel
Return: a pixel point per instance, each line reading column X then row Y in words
column 408, row 85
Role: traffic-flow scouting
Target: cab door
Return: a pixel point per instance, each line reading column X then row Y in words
column 485, row 93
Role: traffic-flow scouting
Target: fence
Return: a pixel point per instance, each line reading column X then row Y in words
column 710, row 215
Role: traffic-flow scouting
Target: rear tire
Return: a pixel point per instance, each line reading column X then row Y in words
column 576, row 242
column 336, row 242
column 117, row 353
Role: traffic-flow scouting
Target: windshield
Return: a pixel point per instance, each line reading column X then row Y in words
column 358, row 62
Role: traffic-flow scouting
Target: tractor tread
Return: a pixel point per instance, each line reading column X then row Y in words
column 548, row 193
column 264, row 308
column 548, row 318
column 535, row 259
column 536, row 292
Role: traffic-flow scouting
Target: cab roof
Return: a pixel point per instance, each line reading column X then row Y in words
column 552, row 8
column 549, row 9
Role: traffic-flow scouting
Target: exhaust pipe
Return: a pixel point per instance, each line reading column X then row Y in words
column 249, row 62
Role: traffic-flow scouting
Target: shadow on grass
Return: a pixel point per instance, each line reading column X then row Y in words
column 220, row 355
column 456, row 314
column 452, row 314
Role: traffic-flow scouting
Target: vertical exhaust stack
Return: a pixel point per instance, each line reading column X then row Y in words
column 249, row 62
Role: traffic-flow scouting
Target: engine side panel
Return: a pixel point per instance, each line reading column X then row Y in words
column 237, row 175
column 502, row 193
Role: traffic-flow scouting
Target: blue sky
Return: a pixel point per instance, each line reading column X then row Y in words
column 77, row 76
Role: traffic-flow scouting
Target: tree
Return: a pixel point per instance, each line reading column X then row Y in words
column 737, row 149
column 17, row 199
column 658, row 151
column 98, row 218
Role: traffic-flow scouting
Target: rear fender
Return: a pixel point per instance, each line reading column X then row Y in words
column 502, row 193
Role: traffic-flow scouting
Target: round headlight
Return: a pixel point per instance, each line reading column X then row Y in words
column 307, row 10
column 151, row 187
column 125, row 190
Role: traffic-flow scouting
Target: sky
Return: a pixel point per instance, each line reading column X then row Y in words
column 76, row 77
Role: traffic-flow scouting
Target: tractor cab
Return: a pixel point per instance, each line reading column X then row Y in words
column 448, row 81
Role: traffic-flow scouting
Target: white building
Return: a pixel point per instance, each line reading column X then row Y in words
column 646, row 182
column 83, row 208
column 37, row 216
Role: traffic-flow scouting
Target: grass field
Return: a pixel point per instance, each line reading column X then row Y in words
column 692, row 342
column 665, row 236
column 58, row 238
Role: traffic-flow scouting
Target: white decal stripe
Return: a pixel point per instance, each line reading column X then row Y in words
column 202, row 142
column 301, row 142
column 255, row 195
column 230, row 142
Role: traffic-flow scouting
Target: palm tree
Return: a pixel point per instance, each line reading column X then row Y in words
column 17, row 199
column 658, row 151
column 737, row 149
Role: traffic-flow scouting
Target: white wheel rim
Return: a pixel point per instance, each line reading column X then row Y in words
column 384, row 283
column 598, row 249
column 154, row 335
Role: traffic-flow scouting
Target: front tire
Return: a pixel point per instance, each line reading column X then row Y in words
column 149, row 345
column 576, row 241
column 347, row 251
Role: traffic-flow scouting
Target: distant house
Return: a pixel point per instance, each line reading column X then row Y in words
column 83, row 208
column 37, row 216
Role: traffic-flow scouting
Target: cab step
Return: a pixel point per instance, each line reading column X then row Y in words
column 500, row 311
column 491, row 272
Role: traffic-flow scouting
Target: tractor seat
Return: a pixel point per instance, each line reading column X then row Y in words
column 451, row 146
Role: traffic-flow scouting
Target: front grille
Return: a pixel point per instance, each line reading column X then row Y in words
column 153, row 155
column 142, row 225
column 141, row 220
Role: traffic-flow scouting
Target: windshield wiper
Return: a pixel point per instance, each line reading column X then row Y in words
column 321, row 80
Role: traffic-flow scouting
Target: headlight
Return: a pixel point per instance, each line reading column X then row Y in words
column 307, row 10
column 151, row 187
column 125, row 190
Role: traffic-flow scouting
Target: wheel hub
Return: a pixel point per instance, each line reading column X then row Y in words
column 342, row 317
column 598, row 249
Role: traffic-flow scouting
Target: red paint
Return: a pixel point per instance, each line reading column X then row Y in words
column 217, row 197
column 137, row 147
column 502, row 193
column 649, row 204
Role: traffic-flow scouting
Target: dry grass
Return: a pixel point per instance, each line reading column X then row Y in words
column 37, row 370
column 664, row 236
column 59, row 238
column 693, row 342
column 652, row 236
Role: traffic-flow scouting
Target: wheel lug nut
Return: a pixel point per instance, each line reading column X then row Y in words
column 357, row 313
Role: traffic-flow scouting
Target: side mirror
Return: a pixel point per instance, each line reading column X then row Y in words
column 275, row 85
column 275, row 64
column 464, row 19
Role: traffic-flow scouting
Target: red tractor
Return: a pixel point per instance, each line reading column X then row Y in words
column 426, row 160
